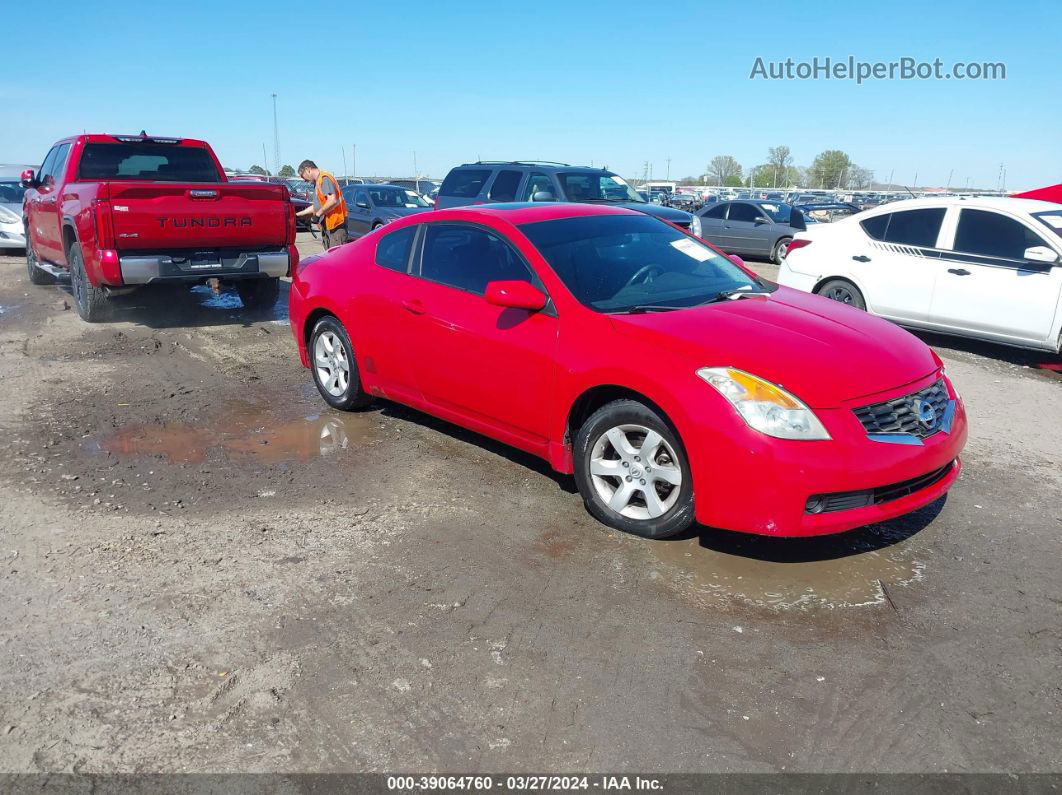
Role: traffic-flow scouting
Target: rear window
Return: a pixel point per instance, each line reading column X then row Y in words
column 465, row 183
column 148, row 162
column 392, row 252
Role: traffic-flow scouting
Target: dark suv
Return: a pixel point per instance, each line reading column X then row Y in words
column 487, row 182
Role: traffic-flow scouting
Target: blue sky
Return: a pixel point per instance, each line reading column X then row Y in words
column 613, row 83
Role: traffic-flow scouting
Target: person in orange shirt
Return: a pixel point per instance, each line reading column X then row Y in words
column 329, row 206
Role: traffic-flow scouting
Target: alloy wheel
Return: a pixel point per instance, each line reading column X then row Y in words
column 331, row 363
column 842, row 294
column 635, row 472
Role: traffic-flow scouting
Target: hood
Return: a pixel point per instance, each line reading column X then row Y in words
column 822, row 351
column 657, row 210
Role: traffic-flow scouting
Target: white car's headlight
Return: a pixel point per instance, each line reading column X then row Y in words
column 695, row 225
column 766, row 408
column 7, row 217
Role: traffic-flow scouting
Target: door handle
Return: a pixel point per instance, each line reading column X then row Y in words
column 861, row 258
column 959, row 271
column 414, row 307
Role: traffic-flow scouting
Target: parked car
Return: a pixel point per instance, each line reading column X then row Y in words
column 299, row 200
column 12, row 231
column 636, row 357
column 119, row 212
column 989, row 268
column 425, row 187
column 371, row 206
column 751, row 228
column 825, row 212
column 489, row 182
column 690, row 202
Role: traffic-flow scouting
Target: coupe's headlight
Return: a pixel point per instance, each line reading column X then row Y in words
column 765, row 407
column 695, row 225
column 7, row 217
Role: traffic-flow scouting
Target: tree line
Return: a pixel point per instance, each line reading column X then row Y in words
column 831, row 169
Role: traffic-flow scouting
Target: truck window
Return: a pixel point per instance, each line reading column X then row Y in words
column 148, row 162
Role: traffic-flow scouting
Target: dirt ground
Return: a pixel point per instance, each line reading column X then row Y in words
column 204, row 568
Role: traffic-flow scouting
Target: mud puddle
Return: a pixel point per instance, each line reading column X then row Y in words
column 229, row 300
column 242, row 432
column 855, row 569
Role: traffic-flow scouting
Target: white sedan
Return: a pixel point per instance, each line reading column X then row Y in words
column 989, row 268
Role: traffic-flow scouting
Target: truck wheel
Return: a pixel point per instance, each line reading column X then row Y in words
column 259, row 293
column 33, row 270
column 91, row 301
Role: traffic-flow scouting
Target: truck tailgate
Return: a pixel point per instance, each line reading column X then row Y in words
column 157, row 216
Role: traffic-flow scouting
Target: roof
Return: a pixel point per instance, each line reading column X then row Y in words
column 1004, row 203
column 529, row 212
column 537, row 165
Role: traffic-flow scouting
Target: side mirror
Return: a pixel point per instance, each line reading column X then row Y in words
column 362, row 204
column 736, row 260
column 761, row 221
column 28, row 180
column 515, row 295
column 542, row 196
column 1041, row 254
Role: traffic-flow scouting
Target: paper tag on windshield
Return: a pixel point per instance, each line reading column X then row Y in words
column 691, row 249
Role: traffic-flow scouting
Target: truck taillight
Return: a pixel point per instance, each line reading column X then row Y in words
column 291, row 230
column 104, row 224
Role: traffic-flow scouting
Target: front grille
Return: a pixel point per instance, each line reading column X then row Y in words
column 907, row 414
column 849, row 500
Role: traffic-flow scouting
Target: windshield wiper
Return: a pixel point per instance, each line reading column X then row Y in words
column 641, row 309
column 738, row 291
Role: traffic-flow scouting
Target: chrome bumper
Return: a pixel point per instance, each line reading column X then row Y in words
column 145, row 269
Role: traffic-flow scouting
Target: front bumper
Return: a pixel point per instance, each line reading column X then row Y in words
column 753, row 483
column 150, row 268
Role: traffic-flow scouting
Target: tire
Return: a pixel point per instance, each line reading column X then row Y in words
column 843, row 291
column 332, row 358
column 376, row 226
column 91, row 302
column 779, row 250
column 609, row 472
column 259, row 293
column 36, row 275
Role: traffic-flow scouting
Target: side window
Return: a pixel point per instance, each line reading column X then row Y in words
column 59, row 165
column 535, row 184
column 468, row 258
column 994, row 235
column 719, row 211
column 504, row 187
column 392, row 252
column 46, row 166
column 743, row 212
column 875, row 227
column 465, row 183
column 361, row 199
column 915, row 227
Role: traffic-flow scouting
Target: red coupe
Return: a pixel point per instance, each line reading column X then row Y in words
column 675, row 384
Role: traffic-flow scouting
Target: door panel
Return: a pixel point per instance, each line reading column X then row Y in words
column 897, row 260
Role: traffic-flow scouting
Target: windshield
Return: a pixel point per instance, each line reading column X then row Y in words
column 11, row 193
column 778, row 211
column 396, row 197
column 595, row 186
column 614, row 263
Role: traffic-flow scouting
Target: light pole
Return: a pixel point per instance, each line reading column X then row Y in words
column 276, row 137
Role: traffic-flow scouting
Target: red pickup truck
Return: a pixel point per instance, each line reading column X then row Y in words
column 118, row 212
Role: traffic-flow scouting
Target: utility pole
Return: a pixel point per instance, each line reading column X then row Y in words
column 416, row 173
column 668, row 169
column 891, row 171
column 344, row 152
column 265, row 160
column 354, row 154
column 276, row 137
column 948, row 186
column 915, row 183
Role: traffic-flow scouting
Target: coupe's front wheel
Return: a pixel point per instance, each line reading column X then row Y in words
column 632, row 471
column 843, row 291
column 334, row 368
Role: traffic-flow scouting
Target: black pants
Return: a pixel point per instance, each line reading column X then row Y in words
column 336, row 237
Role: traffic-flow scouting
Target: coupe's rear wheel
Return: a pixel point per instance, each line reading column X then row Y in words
column 632, row 471
column 844, row 291
column 335, row 370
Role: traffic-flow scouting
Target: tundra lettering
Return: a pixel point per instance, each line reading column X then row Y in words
column 211, row 221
